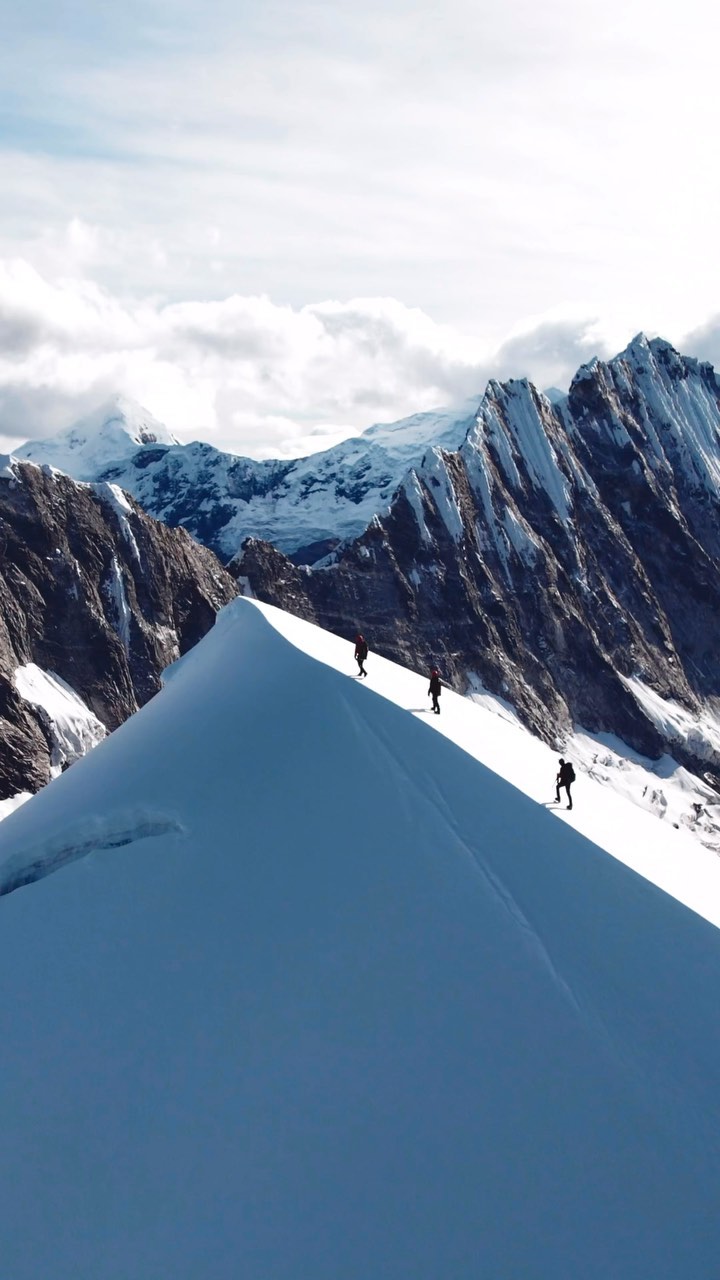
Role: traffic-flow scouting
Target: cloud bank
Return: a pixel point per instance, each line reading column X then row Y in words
column 216, row 209
column 492, row 160
column 245, row 373
column 259, row 378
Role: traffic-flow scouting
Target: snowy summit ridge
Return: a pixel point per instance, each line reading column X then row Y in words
column 112, row 432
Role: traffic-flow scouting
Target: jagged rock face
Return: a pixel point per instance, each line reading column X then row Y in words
column 562, row 548
column 95, row 592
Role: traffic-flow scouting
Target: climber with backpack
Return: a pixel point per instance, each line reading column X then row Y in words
column 564, row 779
column 361, row 653
column 435, row 689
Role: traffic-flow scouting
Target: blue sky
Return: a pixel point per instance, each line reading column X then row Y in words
column 504, row 170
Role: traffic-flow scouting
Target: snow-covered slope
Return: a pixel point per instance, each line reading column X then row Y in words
column 72, row 727
column 112, row 432
column 329, row 999
column 645, row 820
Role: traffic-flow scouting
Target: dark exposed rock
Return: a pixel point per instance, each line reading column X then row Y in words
column 97, row 593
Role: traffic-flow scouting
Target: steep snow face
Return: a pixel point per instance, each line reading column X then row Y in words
column 523, row 429
column 521, row 471
column 699, row 731
column 331, row 999
column 112, row 432
column 435, row 473
column 73, row 727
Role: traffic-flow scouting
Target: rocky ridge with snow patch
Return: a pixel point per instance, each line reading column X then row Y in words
column 96, row 598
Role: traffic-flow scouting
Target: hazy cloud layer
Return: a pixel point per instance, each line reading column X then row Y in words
column 483, row 163
column 244, row 372
column 255, row 377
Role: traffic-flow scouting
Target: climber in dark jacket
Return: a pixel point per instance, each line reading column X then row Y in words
column 434, row 690
column 361, row 653
column 565, row 779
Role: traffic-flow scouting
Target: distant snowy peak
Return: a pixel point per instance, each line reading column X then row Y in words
column 555, row 395
column 304, row 505
column 111, row 433
column 442, row 428
column 520, row 436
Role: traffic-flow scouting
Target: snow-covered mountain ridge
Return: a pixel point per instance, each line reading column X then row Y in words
column 564, row 551
column 309, row 503
column 567, row 555
column 610, row 775
column 306, row 506
column 329, row 998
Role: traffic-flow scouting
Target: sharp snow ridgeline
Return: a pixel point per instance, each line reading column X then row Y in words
column 303, row 991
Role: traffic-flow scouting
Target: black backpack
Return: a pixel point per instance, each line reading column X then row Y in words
column 569, row 772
